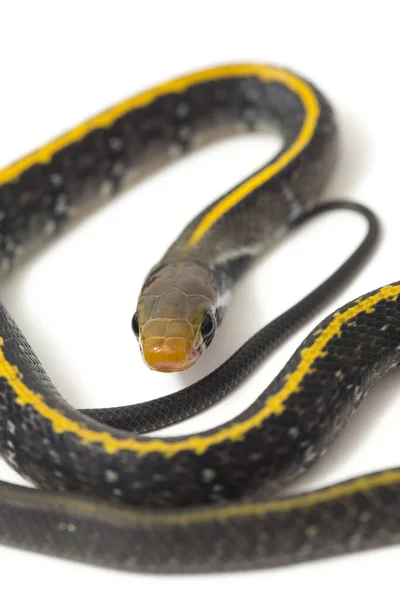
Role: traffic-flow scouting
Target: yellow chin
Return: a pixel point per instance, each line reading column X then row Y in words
column 168, row 355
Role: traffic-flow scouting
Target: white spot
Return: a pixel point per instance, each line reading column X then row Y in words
column 111, row 476
column 61, row 204
column 118, row 169
column 56, row 179
column 295, row 206
column 10, row 457
column 117, row 492
column 310, row 454
column 208, row 475
column 294, row 432
column 217, row 487
column 11, row 427
column 62, row 526
column 358, row 393
column 339, row 374
column 116, row 144
column 182, row 110
column 184, row 133
column 55, row 456
column 384, row 327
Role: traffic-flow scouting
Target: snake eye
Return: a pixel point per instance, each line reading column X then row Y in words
column 135, row 324
column 208, row 326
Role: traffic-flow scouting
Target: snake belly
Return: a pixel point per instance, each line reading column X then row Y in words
column 198, row 502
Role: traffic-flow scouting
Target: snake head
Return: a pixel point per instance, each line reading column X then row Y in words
column 176, row 316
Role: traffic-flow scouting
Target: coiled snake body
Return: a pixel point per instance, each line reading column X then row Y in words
column 110, row 495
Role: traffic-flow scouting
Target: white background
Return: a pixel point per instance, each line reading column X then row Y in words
column 63, row 61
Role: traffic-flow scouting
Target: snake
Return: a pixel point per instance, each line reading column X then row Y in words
column 103, row 490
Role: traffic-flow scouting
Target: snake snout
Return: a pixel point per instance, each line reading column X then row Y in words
column 168, row 345
column 168, row 355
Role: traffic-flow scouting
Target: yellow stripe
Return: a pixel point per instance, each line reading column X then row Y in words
column 107, row 118
column 304, row 501
column 235, row 511
column 186, row 517
column 311, row 111
column 274, row 404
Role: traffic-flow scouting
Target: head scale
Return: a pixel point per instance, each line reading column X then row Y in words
column 176, row 316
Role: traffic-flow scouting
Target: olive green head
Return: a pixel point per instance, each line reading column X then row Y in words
column 176, row 316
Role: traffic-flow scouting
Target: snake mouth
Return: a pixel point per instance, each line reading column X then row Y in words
column 168, row 355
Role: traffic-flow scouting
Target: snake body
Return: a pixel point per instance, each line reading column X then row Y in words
column 111, row 495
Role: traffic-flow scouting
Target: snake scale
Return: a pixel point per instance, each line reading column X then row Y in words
column 107, row 494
